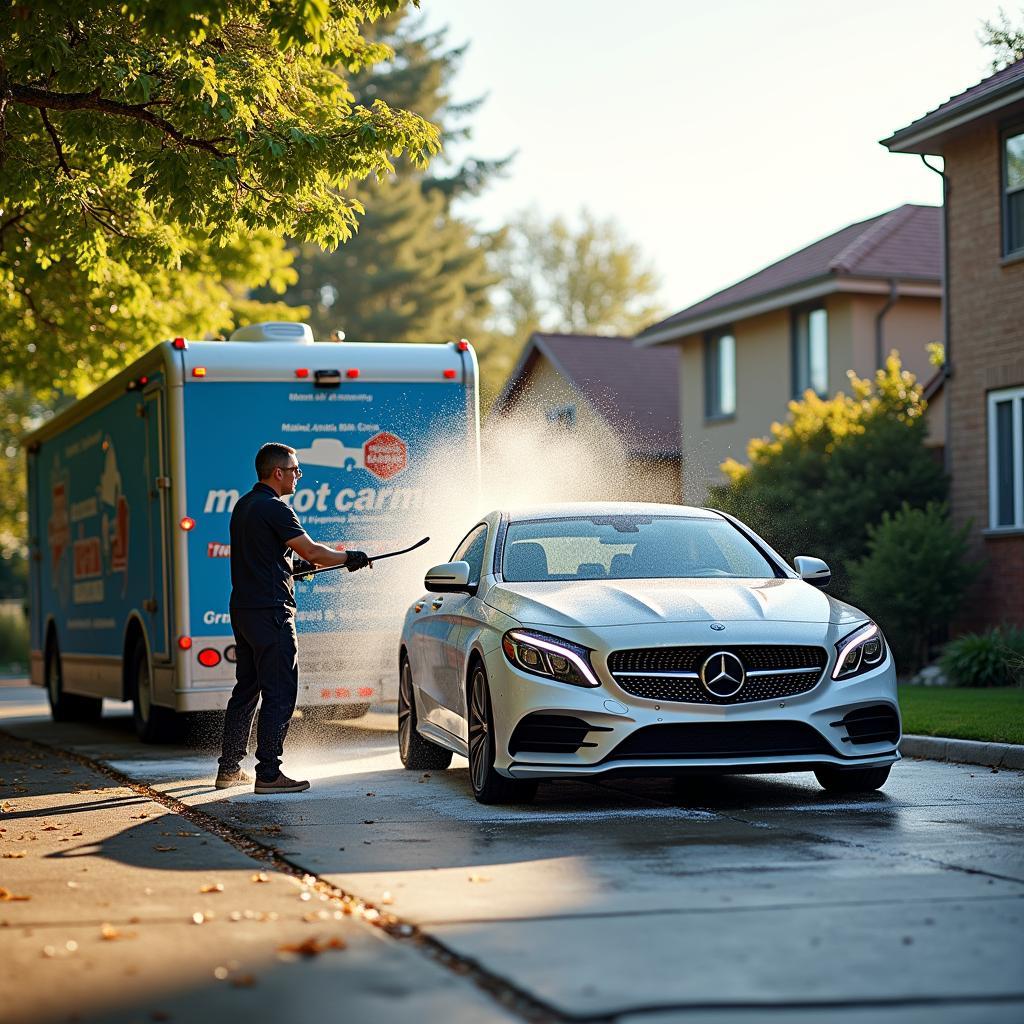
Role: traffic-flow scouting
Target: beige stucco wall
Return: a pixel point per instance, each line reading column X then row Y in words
column 591, row 442
column 764, row 374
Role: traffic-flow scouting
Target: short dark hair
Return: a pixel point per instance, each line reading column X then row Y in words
column 271, row 456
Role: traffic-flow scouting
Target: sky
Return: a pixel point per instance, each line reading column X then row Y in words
column 721, row 135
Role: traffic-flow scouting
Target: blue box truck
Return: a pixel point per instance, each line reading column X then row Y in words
column 131, row 491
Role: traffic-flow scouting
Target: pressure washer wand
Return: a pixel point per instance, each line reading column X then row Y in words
column 371, row 559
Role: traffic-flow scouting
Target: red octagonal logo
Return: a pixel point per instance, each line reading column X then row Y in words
column 385, row 455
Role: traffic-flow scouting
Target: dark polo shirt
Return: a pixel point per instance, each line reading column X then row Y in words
column 261, row 565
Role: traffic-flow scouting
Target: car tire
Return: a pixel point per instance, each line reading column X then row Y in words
column 67, row 707
column 855, row 780
column 488, row 786
column 417, row 753
column 153, row 724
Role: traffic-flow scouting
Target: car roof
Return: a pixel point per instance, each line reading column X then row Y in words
column 575, row 509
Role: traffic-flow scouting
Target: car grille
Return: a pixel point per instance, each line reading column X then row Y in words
column 542, row 733
column 673, row 673
column 704, row 740
column 877, row 724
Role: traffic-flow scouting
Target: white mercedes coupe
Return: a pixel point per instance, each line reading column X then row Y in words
column 578, row 640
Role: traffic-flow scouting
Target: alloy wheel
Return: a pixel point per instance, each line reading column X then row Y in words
column 481, row 757
column 405, row 699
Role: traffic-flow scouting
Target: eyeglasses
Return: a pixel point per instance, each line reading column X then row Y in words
column 292, row 469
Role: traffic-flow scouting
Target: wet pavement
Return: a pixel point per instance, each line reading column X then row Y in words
column 745, row 898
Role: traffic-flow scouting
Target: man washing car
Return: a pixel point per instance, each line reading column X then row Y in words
column 264, row 533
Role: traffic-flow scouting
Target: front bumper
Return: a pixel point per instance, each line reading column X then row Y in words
column 798, row 733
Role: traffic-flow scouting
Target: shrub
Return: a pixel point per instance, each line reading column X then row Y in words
column 913, row 577
column 993, row 658
column 833, row 468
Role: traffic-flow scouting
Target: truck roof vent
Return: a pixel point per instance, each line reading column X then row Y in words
column 275, row 330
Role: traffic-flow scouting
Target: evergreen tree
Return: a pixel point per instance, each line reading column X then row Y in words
column 414, row 271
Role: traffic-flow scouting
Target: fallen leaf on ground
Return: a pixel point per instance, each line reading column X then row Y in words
column 76, row 833
column 260, row 876
column 212, row 887
column 479, row 878
column 136, row 817
column 312, row 946
column 15, row 854
column 111, row 934
column 164, row 849
column 50, row 828
column 6, row 806
column 371, row 794
column 271, row 830
column 243, row 981
column 7, row 896
column 198, row 917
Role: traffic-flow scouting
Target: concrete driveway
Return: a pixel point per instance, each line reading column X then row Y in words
column 746, row 898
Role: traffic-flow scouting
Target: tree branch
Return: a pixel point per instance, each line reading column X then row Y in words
column 55, row 138
column 46, row 100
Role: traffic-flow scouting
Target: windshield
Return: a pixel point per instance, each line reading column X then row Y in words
column 629, row 548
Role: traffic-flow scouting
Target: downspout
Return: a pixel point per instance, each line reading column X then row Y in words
column 947, row 341
column 894, row 294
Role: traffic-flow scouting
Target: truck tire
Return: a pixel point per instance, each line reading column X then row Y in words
column 67, row 707
column 153, row 724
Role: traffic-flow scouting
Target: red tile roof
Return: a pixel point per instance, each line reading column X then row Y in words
column 1002, row 83
column 904, row 243
column 636, row 390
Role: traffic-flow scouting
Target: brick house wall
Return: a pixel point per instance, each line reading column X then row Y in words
column 986, row 308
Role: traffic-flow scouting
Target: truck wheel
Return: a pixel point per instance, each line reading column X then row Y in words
column 67, row 707
column 153, row 724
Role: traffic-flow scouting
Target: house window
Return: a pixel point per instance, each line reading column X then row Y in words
column 1013, row 192
column 1006, row 458
column 563, row 416
column 810, row 352
column 719, row 375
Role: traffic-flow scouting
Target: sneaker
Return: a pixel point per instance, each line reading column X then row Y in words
column 282, row 784
column 226, row 780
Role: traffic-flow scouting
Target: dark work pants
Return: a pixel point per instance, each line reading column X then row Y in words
column 267, row 666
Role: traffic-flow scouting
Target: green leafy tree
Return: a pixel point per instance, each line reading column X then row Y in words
column 836, row 465
column 556, row 276
column 151, row 157
column 1004, row 39
column 415, row 271
column 913, row 578
column 583, row 278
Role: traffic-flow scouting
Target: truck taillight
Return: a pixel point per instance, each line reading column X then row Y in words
column 209, row 658
column 302, row 373
column 185, row 642
column 450, row 374
column 180, row 344
column 352, row 374
column 365, row 691
column 198, row 371
column 187, row 523
column 463, row 345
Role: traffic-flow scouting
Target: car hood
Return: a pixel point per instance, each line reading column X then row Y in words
column 638, row 602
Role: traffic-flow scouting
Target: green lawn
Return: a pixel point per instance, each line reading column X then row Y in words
column 994, row 715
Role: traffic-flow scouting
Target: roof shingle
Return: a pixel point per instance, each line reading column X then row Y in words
column 905, row 243
column 635, row 389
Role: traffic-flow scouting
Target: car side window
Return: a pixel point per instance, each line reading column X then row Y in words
column 471, row 550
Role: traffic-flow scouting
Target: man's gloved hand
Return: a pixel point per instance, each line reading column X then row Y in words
column 356, row 560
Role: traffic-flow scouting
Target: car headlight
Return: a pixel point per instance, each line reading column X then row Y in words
column 549, row 656
column 859, row 651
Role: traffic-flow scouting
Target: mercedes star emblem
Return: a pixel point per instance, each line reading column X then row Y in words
column 722, row 674
column 717, row 627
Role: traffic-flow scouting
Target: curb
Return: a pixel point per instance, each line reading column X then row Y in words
column 941, row 748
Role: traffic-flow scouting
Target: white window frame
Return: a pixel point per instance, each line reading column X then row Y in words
column 1016, row 397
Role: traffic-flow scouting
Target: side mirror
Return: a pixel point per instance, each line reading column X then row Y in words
column 449, row 577
column 813, row 571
